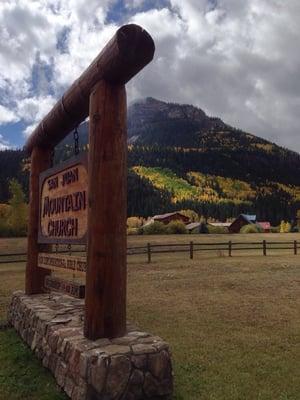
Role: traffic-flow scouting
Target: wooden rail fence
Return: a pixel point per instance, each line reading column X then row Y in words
column 226, row 248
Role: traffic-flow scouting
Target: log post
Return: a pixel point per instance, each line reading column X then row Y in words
column 264, row 248
column 230, row 248
column 149, row 252
column 105, row 301
column 34, row 281
column 191, row 250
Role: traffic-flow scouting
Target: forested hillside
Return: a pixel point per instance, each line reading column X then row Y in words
column 12, row 165
column 213, row 196
column 204, row 164
column 181, row 158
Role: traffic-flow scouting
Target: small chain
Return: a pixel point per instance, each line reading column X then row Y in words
column 76, row 142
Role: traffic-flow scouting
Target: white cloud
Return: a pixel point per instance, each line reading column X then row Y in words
column 34, row 70
column 29, row 129
column 25, row 28
column 7, row 116
column 236, row 59
column 84, row 45
column 35, row 108
column 32, row 111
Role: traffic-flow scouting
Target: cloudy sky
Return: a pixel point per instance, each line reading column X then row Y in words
column 236, row 59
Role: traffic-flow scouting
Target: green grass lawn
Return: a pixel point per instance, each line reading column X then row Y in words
column 233, row 324
column 21, row 375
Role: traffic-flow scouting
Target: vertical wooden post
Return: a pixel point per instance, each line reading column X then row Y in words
column 149, row 252
column 191, row 250
column 295, row 247
column 229, row 248
column 264, row 248
column 34, row 281
column 105, row 301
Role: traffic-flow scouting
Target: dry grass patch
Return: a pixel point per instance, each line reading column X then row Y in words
column 233, row 323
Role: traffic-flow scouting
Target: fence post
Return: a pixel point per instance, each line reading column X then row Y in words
column 149, row 252
column 264, row 248
column 229, row 248
column 191, row 250
column 295, row 247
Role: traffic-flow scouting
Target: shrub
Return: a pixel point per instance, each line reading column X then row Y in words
column 217, row 229
column 155, row 228
column 176, row 227
column 134, row 222
column 132, row 231
column 5, row 229
column 4, row 210
column 18, row 215
column 251, row 228
column 275, row 229
column 14, row 216
column 191, row 214
column 285, row 227
column 259, row 229
column 288, row 227
column 140, row 230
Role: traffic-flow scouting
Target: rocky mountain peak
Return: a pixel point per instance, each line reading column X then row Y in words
column 152, row 121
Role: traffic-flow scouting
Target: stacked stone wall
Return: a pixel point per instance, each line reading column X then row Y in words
column 136, row 366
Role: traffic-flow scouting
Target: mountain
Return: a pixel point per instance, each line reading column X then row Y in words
column 154, row 122
column 189, row 139
column 168, row 124
column 202, row 163
column 212, row 146
column 180, row 158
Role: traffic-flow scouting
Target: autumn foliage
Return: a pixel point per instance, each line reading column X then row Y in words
column 14, row 215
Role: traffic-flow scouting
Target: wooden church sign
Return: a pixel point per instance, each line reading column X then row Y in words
column 62, row 262
column 71, row 204
column 74, row 289
column 63, row 203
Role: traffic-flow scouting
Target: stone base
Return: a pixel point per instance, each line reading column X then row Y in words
column 134, row 367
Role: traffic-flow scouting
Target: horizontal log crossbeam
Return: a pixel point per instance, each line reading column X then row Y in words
column 128, row 52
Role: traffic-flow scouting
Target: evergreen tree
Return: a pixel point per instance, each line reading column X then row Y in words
column 18, row 214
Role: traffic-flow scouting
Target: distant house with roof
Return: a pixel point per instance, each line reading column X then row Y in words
column 193, row 227
column 240, row 221
column 168, row 217
column 265, row 225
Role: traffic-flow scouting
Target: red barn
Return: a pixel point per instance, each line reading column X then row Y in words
column 266, row 226
column 240, row 221
column 174, row 216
